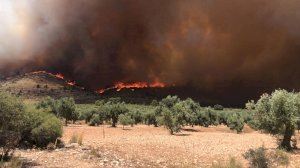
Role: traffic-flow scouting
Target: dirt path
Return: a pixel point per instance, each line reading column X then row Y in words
column 146, row 146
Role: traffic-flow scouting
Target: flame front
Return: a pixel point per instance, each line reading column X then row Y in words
column 57, row 75
column 134, row 85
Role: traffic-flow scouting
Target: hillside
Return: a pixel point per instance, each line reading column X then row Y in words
column 36, row 85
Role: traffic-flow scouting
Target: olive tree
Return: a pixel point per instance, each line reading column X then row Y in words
column 277, row 114
column 125, row 119
column 236, row 122
column 170, row 120
column 113, row 110
column 67, row 109
column 11, row 123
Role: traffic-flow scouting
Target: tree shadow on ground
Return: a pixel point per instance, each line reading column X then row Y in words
column 182, row 134
column 190, row 130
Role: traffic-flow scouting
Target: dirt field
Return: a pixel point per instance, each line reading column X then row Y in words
column 146, row 146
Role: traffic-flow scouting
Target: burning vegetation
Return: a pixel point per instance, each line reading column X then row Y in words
column 56, row 75
column 134, row 85
column 118, row 86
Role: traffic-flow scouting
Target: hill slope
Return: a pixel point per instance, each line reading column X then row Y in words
column 37, row 85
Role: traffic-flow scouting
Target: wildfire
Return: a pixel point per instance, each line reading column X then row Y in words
column 134, row 85
column 57, row 75
column 60, row 76
column 118, row 86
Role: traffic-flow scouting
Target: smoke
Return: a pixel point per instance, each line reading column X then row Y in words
column 231, row 48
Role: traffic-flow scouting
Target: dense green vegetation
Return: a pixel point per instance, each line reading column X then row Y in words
column 278, row 114
column 41, row 123
column 24, row 125
column 170, row 112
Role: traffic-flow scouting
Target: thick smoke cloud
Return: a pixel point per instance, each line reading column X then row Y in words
column 237, row 47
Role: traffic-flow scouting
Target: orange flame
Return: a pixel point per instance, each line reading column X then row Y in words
column 58, row 76
column 135, row 85
column 71, row 83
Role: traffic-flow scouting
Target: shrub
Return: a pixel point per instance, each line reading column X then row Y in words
column 11, row 123
column 40, row 127
column 15, row 162
column 218, row 107
column 125, row 119
column 261, row 158
column 279, row 158
column 277, row 114
column 235, row 122
column 48, row 131
column 76, row 138
column 232, row 163
column 257, row 158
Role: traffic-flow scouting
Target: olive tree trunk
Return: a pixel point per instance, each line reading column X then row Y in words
column 286, row 142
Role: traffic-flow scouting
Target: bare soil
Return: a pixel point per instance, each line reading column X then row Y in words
column 147, row 146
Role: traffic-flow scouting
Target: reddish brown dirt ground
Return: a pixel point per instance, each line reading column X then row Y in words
column 147, row 146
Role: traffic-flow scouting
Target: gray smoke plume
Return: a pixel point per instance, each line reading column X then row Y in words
column 232, row 48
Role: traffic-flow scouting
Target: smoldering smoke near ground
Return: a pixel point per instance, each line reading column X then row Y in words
column 233, row 48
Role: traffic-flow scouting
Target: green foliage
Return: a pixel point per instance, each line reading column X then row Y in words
column 96, row 120
column 64, row 107
column 26, row 125
column 113, row 108
column 67, row 109
column 169, row 101
column 278, row 114
column 218, row 107
column 213, row 116
column 235, row 122
column 50, row 105
column 99, row 102
column 11, row 123
column 40, row 127
column 250, row 105
column 49, row 130
column 136, row 116
column 203, row 118
column 154, row 103
column 186, row 111
column 150, row 118
column 170, row 120
column 125, row 119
